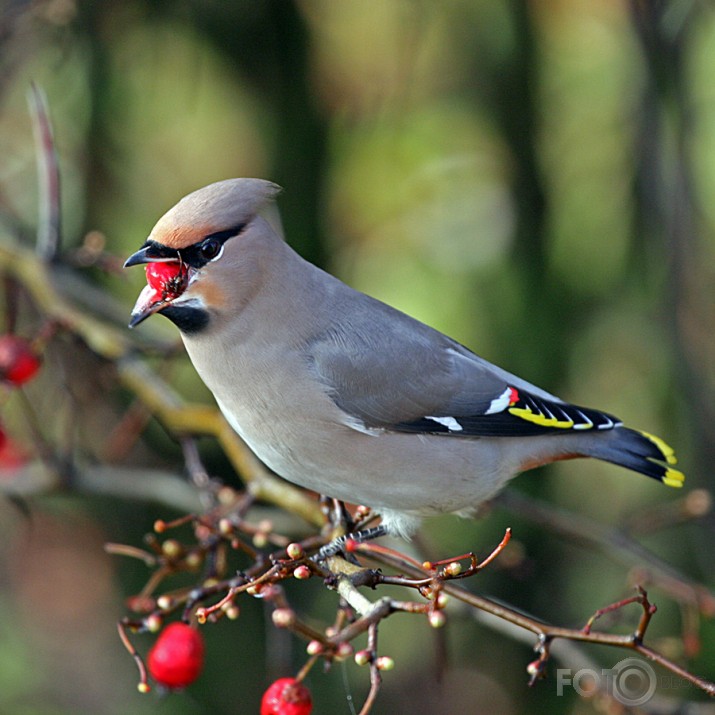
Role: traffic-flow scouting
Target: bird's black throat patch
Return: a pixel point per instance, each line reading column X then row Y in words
column 189, row 320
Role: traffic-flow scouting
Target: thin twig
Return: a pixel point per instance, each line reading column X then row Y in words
column 143, row 685
column 48, row 174
column 375, row 677
column 545, row 631
column 696, row 504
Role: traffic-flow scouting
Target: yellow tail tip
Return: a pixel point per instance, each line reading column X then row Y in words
column 667, row 451
column 673, row 478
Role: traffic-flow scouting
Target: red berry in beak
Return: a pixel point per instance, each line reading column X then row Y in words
column 169, row 279
column 166, row 281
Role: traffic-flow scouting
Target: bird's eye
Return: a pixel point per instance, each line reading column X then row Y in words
column 210, row 249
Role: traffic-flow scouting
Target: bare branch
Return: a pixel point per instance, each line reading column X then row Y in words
column 617, row 544
column 177, row 417
column 548, row 632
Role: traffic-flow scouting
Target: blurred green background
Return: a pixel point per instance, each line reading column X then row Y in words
column 535, row 179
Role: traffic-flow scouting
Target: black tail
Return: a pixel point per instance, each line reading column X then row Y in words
column 641, row 452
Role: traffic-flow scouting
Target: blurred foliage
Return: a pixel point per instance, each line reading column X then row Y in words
column 534, row 179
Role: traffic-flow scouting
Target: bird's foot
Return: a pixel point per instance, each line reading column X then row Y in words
column 339, row 545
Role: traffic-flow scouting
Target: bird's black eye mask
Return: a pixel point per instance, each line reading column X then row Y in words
column 196, row 256
column 209, row 248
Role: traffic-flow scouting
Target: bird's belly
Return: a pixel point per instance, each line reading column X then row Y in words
column 407, row 472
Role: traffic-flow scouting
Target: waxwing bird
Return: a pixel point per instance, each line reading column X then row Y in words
column 342, row 394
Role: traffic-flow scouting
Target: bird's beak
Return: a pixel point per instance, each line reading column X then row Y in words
column 148, row 303
column 160, row 290
column 149, row 253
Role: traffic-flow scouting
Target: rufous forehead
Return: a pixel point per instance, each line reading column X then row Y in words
column 180, row 236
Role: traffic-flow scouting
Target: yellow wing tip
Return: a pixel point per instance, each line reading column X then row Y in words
column 526, row 414
column 673, row 478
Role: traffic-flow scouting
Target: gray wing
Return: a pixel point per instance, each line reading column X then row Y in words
column 389, row 371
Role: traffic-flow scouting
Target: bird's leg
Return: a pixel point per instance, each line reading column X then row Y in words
column 341, row 516
column 338, row 545
column 336, row 513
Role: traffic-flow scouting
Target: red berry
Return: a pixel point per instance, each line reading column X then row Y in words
column 18, row 361
column 167, row 278
column 177, row 657
column 287, row 696
column 12, row 457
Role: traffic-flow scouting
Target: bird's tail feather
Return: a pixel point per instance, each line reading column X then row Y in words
column 641, row 452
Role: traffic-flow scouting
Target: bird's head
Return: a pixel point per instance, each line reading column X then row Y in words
column 193, row 252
